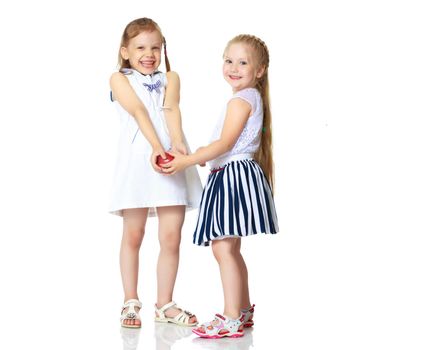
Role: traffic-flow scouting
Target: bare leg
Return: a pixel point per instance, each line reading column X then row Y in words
column 245, row 303
column 134, row 221
column 232, row 275
column 171, row 219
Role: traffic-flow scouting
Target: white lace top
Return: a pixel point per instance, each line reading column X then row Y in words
column 249, row 140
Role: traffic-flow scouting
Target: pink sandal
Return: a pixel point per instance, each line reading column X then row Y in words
column 220, row 327
column 249, row 314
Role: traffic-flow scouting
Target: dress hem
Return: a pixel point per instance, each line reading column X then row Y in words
column 221, row 237
column 152, row 212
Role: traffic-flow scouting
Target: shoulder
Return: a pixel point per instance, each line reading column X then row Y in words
column 172, row 77
column 172, row 81
column 251, row 96
column 239, row 106
column 117, row 79
column 119, row 84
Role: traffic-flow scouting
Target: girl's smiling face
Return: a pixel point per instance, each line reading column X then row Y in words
column 240, row 69
column 144, row 52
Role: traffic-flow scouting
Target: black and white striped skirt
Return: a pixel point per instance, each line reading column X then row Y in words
column 236, row 202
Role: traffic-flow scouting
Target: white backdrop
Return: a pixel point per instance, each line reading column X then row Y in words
column 354, row 100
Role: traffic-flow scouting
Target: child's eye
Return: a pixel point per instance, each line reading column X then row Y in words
column 243, row 63
column 140, row 48
column 228, row 61
column 156, row 48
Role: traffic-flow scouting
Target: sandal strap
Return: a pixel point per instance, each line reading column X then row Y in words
column 248, row 313
column 130, row 314
column 133, row 302
column 184, row 316
column 248, row 309
column 164, row 308
column 223, row 323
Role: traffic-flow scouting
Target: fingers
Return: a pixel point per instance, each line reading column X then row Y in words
column 165, row 169
column 166, row 172
column 156, row 167
column 169, row 170
column 154, row 162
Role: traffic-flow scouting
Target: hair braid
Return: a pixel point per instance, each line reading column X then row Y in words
column 263, row 156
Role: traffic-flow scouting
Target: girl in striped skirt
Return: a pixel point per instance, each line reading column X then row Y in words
column 237, row 200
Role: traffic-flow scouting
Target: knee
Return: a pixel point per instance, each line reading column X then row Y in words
column 222, row 251
column 170, row 241
column 133, row 237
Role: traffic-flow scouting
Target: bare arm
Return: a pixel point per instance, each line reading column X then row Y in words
column 128, row 99
column 238, row 112
column 172, row 112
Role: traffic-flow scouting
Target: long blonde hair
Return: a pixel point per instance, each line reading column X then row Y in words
column 132, row 30
column 263, row 156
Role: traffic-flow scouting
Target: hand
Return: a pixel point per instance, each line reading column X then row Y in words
column 179, row 163
column 155, row 153
column 179, row 147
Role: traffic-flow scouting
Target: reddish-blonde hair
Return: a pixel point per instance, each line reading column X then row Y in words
column 132, row 30
column 263, row 156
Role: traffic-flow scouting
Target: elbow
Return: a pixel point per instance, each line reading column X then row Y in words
column 224, row 145
column 227, row 146
column 137, row 112
column 171, row 108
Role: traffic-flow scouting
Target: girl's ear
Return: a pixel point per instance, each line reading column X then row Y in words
column 260, row 72
column 124, row 53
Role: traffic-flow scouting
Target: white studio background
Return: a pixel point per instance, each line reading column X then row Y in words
column 354, row 100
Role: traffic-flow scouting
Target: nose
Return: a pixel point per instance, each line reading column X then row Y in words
column 234, row 67
column 148, row 52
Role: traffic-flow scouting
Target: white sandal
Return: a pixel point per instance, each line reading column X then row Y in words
column 131, row 314
column 182, row 319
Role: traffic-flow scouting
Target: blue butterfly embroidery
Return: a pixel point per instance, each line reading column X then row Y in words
column 152, row 87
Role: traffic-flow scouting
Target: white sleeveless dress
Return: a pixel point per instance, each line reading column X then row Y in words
column 136, row 184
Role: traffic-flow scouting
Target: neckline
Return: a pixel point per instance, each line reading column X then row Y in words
column 248, row 88
column 128, row 71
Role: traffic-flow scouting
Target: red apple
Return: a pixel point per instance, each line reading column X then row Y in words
column 161, row 161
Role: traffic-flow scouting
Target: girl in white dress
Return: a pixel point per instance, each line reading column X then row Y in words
column 148, row 104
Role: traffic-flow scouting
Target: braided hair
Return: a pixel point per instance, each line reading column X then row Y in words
column 263, row 156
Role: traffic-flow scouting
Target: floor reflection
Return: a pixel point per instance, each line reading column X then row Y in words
column 167, row 334
column 242, row 343
column 130, row 337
